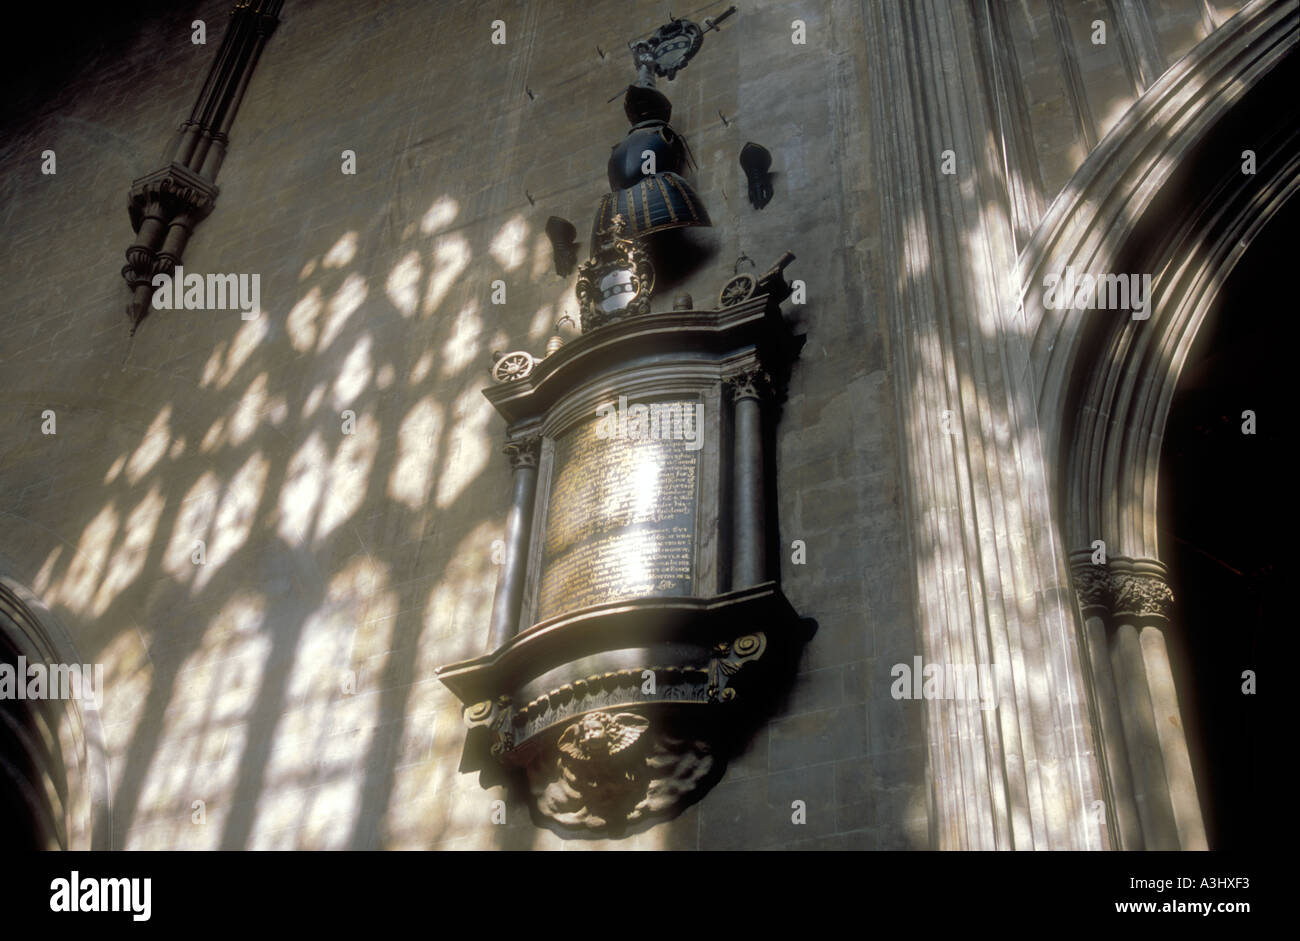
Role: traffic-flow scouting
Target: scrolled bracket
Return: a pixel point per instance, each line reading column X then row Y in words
column 729, row 659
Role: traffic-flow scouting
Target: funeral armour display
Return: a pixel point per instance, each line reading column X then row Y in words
column 638, row 624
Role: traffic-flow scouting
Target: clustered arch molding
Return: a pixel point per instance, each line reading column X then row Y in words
column 1165, row 194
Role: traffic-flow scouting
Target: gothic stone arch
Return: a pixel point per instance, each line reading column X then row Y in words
column 1164, row 194
column 60, row 767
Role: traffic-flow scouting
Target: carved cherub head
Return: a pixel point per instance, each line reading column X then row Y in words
column 599, row 736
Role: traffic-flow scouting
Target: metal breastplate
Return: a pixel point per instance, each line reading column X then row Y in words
column 630, row 155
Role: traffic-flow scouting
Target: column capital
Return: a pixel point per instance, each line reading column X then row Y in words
column 751, row 383
column 1091, row 583
column 1141, row 588
column 523, row 452
column 1122, row 587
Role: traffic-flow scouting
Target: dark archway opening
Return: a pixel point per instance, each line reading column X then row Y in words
column 1221, row 497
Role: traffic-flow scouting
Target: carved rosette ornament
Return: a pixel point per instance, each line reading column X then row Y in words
column 511, row 367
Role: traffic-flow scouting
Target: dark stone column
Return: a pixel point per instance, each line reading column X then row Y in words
column 519, row 524
column 749, row 518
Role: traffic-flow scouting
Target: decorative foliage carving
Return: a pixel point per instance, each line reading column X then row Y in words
column 1142, row 594
column 170, row 192
column 1092, row 585
column 1133, row 588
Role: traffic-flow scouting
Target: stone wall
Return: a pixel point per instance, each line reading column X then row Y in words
column 287, row 682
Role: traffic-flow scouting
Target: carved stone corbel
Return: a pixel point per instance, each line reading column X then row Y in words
column 164, row 206
column 168, row 203
column 613, row 770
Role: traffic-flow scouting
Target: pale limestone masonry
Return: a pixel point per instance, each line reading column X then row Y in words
column 287, row 682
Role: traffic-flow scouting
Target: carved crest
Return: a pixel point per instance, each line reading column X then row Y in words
column 616, row 281
column 667, row 50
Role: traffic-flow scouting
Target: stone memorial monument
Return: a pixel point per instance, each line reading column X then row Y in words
column 638, row 611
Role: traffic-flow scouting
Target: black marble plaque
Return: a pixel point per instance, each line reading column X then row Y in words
column 620, row 517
